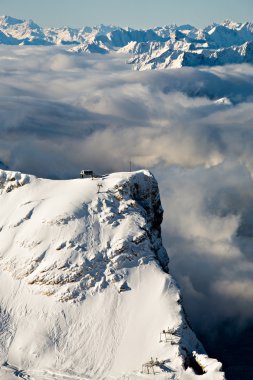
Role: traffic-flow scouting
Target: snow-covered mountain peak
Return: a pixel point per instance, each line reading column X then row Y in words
column 14, row 23
column 6, row 21
column 186, row 27
column 102, row 29
column 31, row 24
column 230, row 24
column 78, row 244
column 84, row 267
column 224, row 101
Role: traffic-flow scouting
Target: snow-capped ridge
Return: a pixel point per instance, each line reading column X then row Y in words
column 224, row 101
column 84, row 264
column 169, row 46
column 185, row 55
column 8, row 20
column 85, row 269
column 96, row 47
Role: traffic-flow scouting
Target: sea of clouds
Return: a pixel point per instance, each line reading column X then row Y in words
column 61, row 112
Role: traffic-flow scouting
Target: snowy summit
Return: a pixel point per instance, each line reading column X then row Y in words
column 87, row 292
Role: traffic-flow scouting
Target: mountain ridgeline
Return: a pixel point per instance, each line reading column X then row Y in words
column 164, row 47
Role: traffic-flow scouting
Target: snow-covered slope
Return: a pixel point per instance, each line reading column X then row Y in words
column 85, row 290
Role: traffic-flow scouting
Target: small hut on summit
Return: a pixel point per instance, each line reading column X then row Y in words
column 86, row 174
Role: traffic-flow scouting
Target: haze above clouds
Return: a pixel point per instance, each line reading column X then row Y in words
column 61, row 113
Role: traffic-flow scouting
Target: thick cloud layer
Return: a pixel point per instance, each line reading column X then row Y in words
column 61, row 112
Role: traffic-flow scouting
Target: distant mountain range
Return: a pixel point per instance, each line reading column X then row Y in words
column 26, row 32
column 164, row 47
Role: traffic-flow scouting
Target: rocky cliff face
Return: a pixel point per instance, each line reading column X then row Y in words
column 85, row 289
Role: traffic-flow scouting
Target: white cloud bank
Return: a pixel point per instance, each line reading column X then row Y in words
column 61, row 112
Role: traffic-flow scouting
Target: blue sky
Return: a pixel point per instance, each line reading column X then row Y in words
column 142, row 13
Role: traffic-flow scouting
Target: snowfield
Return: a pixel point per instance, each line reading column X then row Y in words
column 85, row 288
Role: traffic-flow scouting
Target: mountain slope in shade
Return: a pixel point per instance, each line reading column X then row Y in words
column 86, row 285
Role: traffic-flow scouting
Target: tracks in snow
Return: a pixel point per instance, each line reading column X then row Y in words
column 12, row 370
